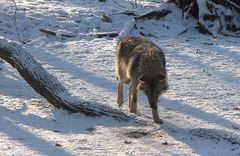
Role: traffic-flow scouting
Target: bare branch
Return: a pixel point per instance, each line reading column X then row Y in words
column 15, row 21
column 118, row 4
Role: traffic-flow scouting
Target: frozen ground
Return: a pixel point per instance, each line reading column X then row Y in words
column 201, row 110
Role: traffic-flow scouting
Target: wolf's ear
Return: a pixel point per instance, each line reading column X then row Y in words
column 143, row 78
column 160, row 77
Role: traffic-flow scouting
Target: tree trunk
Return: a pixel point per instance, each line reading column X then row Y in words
column 48, row 86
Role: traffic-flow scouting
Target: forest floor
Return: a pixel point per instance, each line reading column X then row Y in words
column 201, row 110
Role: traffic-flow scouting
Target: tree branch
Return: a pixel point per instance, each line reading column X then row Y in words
column 154, row 14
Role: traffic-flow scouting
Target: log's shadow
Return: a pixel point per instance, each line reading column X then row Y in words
column 62, row 121
column 13, row 121
column 10, row 126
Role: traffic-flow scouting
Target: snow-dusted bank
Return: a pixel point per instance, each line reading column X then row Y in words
column 201, row 111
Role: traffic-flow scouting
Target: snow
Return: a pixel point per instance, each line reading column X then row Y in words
column 200, row 111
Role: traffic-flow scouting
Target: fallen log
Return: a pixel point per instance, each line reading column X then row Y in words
column 154, row 14
column 105, row 34
column 55, row 34
column 48, row 85
column 98, row 34
column 128, row 27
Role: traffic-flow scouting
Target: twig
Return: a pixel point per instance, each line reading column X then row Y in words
column 132, row 4
column 15, row 21
column 182, row 32
column 129, row 13
column 124, row 101
column 48, row 32
column 135, row 3
column 120, row 106
column 182, row 7
column 234, row 5
column 198, row 51
column 118, row 4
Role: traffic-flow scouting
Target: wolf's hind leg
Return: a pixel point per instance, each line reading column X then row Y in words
column 132, row 98
column 120, row 97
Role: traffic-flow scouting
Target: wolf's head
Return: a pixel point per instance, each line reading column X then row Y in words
column 153, row 86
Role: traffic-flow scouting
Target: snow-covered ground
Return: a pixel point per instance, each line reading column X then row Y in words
column 201, row 110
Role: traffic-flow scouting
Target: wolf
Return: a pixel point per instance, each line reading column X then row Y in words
column 140, row 63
